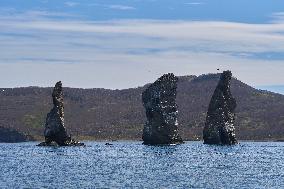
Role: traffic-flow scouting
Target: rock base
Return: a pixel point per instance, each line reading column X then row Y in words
column 71, row 143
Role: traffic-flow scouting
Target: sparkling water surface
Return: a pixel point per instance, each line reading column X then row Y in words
column 132, row 165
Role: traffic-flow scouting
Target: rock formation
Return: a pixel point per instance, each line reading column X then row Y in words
column 55, row 130
column 219, row 127
column 161, row 111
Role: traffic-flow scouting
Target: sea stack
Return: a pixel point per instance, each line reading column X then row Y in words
column 159, row 100
column 219, row 127
column 55, row 131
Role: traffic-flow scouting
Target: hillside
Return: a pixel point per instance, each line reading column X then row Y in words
column 119, row 114
column 11, row 136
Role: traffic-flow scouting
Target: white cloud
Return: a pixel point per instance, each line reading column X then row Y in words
column 115, row 7
column 43, row 14
column 71, row 4
column 121, row 7
column 278, row 17
column 212, row 36
column 123, row 71
column 194, row 3
column 133, row 52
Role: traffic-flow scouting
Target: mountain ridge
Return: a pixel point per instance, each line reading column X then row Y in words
column 114, row 114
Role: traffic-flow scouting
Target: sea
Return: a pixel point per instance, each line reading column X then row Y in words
column 129, row 164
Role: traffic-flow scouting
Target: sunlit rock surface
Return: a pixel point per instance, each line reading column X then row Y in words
column 159, row 100
column 219, row 127
column 55, row 132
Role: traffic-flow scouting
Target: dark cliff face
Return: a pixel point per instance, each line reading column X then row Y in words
column 159, row 101
column 55, row 130
column 219, row 126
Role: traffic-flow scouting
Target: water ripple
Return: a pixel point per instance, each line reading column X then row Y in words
column 132, row 165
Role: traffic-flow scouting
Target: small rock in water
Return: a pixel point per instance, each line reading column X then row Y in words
column 159, row 100
column 55, row 132
column 219, row 127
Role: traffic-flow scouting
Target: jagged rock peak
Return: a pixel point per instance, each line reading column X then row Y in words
column 55, row 130
column 57, row 97
column 159, row 101
column 219, row 126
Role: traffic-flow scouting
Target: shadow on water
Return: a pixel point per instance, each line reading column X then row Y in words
column 160, row 150
column 53, row 151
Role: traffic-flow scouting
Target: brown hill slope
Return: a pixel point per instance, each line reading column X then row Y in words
column 119, row 114
column 8, row 135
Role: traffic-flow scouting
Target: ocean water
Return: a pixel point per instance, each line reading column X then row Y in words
column 133, row 165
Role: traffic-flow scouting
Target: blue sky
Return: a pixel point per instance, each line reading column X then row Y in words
column 252, row 11
column 127, row 43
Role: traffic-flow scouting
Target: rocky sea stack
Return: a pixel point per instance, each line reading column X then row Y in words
column 55, row 132
column 159, row 100
column 219, row 127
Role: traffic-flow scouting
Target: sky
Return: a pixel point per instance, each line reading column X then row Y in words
column 120, row 44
